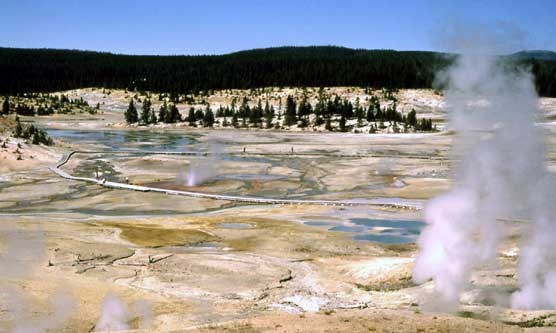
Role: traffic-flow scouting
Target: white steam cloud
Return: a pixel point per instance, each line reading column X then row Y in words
column 22, row 252
column 114, row 316
column 203, row 168
column 117, row 315
column 501, row 173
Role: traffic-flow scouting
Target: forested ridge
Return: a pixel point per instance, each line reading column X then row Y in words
column 43, row 70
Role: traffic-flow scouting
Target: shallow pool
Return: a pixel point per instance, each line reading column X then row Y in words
column 126, row 140
column 376, row 230
column 235, row 225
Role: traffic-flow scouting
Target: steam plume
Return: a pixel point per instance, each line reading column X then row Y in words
column 116, row 315
column 204, row 168
column 23, row 251
column 502, row 173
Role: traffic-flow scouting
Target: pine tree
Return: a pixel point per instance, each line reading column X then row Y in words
column 269, row 115
column 359, row 113
column 163, row 112
column 291, row 116
column 6, row 106
column 328, row 124
column 39, row 137
column 234, row 120
column 233, row 107
column 146, row 112
column 412, row 118
column 305, row 109
column 343, row 127
column 152, row 117
column 370, row 113
column 379, row 114
column 253, row 113
column 266, row 108
column 348, row 109
column 173, row 115
column 18, row 128
column 199, row 114
column 257, row 113
column 131, row 113
column 208, row 119
column 244, row 111
column 319, row 109
column 191, row 117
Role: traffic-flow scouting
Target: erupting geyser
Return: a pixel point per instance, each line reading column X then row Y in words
column 501, row 173
column 204, row 168
column 116, row 315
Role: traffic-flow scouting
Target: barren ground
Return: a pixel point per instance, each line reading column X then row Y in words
column 205, row 265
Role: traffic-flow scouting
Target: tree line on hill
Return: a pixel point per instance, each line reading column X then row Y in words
column 30, row 104
column 39, row 70
column 327, row 111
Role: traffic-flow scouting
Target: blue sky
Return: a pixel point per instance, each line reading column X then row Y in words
column 220, row 26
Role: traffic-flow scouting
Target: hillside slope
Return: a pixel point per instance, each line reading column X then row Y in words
column 32, row 70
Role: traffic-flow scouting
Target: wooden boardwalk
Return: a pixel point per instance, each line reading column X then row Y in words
column 56, row 168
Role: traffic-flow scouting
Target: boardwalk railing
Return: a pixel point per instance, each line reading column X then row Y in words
column 56, row 168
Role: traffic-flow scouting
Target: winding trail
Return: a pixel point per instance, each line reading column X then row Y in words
column 56, row 168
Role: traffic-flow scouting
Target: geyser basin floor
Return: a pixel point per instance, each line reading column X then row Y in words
column 179, row 263
column 100, row 240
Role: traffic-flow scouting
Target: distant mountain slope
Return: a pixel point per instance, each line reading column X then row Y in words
column 51, row 69
column 535, row 54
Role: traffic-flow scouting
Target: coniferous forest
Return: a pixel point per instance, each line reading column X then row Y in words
column 43, row 70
